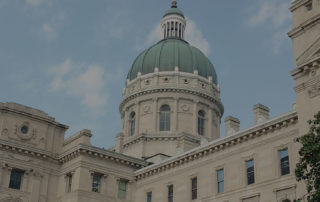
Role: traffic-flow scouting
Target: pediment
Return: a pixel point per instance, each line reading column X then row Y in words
column 310, row 54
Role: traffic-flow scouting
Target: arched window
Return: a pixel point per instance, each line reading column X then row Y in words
column 165, row 118
column 201, row 119
column 132, row 123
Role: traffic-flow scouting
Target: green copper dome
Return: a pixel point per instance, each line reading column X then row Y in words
column 170, row 53
column 174, row 11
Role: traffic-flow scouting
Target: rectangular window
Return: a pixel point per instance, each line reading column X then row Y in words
column 68, row 182
column 122, row 189
column 16, row 179
column 96, row 182
column 250, row 171
column 194, row 188
column 284, row 162
column 220, row 180
column 149, row 196
column 170, row 193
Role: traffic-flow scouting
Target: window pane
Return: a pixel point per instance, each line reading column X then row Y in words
column 68, row 183
column 220, row 180
column 250, row 171
column 194, row 188
column 284, row 162
column 149, row 197
column 16, row 179
column 132, row 122
column 122, row 189
column 170, row 193
column 165, row 121
column 96, row 183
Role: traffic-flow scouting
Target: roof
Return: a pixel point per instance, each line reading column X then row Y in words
column 170, row 53
column 173, row 11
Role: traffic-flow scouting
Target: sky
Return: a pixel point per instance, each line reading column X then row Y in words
column 70, row 58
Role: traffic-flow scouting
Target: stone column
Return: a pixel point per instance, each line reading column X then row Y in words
column 175, row 115
column 195, row 117
column 136, row 129
column 155, row 114
column 210, row 122
column 126, row 123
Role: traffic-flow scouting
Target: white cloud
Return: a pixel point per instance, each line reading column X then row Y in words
column 272, row 10
column 279, row 40
column 49, row 32
column 50, row 29
column 278, row 15
column 80, row 81
column 195, row 37
column 192, row 34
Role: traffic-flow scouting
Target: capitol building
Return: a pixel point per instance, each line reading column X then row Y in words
column 169, row 148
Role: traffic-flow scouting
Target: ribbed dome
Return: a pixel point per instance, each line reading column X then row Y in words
column 170, row 53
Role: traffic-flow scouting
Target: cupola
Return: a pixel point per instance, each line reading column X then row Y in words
column 173, row 23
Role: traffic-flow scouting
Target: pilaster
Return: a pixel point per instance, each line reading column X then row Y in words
column 175, row 114
column 210, row 122
column 155, row 114
column 136, row 132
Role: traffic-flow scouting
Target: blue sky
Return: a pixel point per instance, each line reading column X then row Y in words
column 70, row 58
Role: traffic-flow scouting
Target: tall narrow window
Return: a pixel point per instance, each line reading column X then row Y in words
column 250, row 171
column 68, row 182
column 201, row 119
column 16, row 179
column 170, row 193
column 122, row 189
column 220, row 180
column 96, row 182
column 132, row 124
column 149, row 196
column 165, row 118
column 284, row 162
column 194, row 188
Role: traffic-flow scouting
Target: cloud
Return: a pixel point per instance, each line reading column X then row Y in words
column 272, row 10
column 193, row 35
column 279, row 40
column 49, row 32
column 278, row 15
column 50, row 29
column 81, row 81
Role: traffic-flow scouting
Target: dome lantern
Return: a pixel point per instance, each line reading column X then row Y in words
column 173, row 23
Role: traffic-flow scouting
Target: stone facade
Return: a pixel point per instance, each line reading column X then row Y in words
column 183, row 162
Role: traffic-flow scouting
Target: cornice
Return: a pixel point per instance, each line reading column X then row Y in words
column 95, row 152
column 72, row 153
column 161, row 137
column 38, row 115
column 26, row 150
column 297, row 3
column 171, row 89
column 219, row 145
column 304, row 26
column 305, row 68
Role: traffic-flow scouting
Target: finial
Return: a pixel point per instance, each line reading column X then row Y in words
column 174, row 4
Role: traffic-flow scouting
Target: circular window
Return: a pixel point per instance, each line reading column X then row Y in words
column 24, row 129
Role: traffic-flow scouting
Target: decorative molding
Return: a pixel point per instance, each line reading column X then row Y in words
column 314, row 90
column 215, row 100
